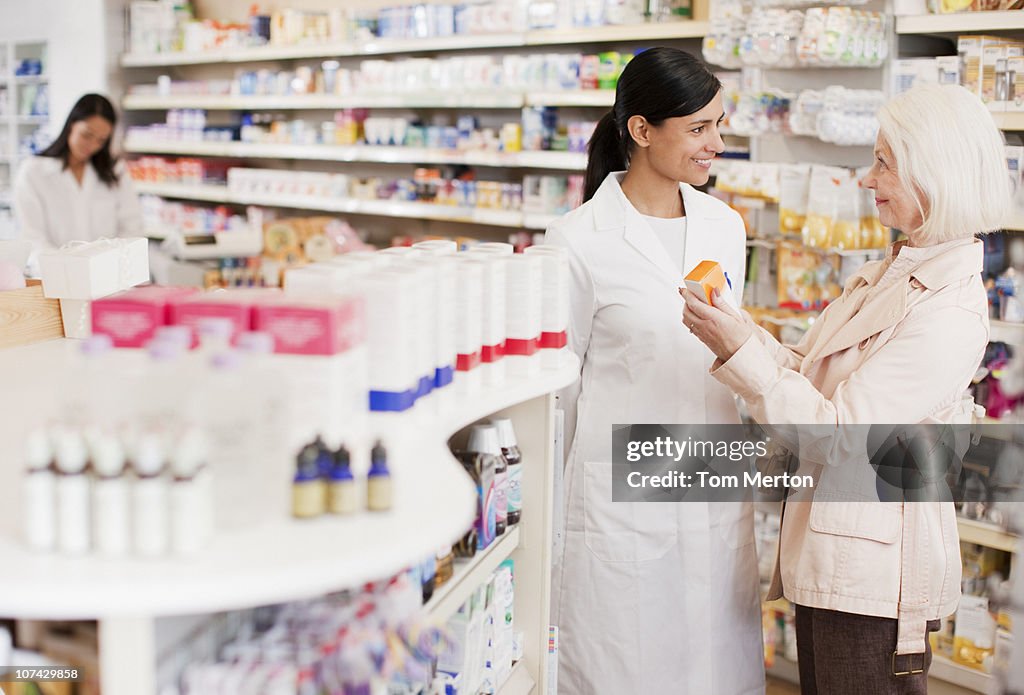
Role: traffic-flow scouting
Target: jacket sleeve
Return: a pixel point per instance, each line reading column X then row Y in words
column 582, row 303
column 29, row 210
column 904, row 382
column 129, row 211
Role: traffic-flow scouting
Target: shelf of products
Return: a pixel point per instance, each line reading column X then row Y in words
column 1006, row 331
column 607, row 34
column 271, row 562
column 468, row 575
column 960, row 22
column 432, row 100
column 385, row 208
column 575, row 161
column 952, row 672
column 1010, row 121
column 988, row 535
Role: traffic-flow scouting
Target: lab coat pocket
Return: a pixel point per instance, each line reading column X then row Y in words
column 624, row 531
column 873, row 521
column 735, row 522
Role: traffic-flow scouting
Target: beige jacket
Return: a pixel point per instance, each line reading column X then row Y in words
column 899, row 346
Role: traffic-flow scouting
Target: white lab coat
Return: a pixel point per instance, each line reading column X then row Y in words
column 648, row 597
column 52, row 208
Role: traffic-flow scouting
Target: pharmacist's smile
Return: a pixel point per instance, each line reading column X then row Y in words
column 704, row 163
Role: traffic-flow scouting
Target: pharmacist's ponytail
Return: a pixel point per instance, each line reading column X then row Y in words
column 657, row 84
column 605, row 154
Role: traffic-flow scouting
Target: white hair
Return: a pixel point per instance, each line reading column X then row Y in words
column 948, row 148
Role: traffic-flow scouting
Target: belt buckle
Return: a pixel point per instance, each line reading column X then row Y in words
column 912, row 671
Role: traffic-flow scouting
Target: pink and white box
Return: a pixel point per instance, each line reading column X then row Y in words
column 131, row 318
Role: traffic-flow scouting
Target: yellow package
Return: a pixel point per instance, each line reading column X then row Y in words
column 794, row 188
column 822, row 205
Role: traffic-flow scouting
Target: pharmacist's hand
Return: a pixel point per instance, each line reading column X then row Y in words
column 720, row 327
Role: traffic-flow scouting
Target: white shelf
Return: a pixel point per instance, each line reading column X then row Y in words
column 574, row 161
column 427, row 100
column 988, row 535
column 1010, row 120
column 469, row 574
column 384, row 208
column 277, row 560
column 952, row 672
column 519, row 681
column 1006, row 331
column 655, row 31
column 1016, row 221
column 555, row 37
column 579, row 97
column 32, row 120
column 31, row 79
column 961, row 22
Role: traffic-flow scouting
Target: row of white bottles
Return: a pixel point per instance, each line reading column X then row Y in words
column 84, row 493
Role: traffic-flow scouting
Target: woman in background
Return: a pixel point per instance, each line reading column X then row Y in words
column 76, row 190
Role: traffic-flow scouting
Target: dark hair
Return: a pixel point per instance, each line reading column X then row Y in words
column 88, row 106
column 657, row 84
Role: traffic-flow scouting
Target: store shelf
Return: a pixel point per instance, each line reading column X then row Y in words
column 961, row 22
column 656, row 31
column 276, row 560
column 1011, row 121
column 31, row 79
column 218, row 102
column 32, row 120
column 384, row 208
column 573, row 161
column 578, row 97
column 1006, row 331
column 952, row 672
column 519, row 681
column 624, row 33
column 468, row 576
column 988, row 535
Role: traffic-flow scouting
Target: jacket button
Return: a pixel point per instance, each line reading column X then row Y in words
column 864, row 343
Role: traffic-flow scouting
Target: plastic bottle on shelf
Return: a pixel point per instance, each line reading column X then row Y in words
column 483, row 439
column 191, row 494
column 378, row 480
column 110, row 497
column 308, row 493
column 39, row 492
column 510, row 451
column 150, row 533
column 72, row 491
column 343, row 493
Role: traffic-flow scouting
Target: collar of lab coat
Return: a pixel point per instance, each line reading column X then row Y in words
column 613, row 212
column 53, row 168
column 859, row 314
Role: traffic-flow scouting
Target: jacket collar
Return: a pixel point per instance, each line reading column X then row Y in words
column 859, row 314
column 613, row 212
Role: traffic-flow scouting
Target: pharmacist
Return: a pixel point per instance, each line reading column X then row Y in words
column 650, row 597
column 75, row 190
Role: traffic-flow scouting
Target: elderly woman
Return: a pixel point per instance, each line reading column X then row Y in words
column 870, row 579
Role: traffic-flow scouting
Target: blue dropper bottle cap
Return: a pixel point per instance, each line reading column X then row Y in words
column 341, row 470
column 378, row 460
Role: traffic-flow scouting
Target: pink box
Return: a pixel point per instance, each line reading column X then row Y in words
column 131, row 317
column 191, row 309
column 312, row 326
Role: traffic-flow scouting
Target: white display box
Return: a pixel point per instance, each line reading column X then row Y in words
column 95, row 269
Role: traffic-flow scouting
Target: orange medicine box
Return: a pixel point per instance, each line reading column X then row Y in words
column 704, row 279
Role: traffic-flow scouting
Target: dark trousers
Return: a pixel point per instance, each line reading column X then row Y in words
column 849, row 654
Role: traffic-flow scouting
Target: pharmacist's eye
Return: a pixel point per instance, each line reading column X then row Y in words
column 698, row 130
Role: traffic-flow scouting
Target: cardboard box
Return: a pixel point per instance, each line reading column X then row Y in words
column 1015, row 66
column 131, row 318
column 311, row 325
column 96, row 269
column 704, row 279
column 190, row 309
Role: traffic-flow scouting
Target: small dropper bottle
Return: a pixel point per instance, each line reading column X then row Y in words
column 343, row 493
column 378, row 480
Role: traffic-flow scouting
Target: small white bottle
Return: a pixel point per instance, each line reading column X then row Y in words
column 40, row 494
column 73, row 513
column 109, row 497
column 191, row 494
column 150, row 534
